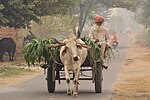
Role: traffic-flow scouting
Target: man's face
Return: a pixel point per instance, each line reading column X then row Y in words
column 99, row 23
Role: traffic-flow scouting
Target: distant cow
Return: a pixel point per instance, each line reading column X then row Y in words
column 7, row 45
column 72, row 54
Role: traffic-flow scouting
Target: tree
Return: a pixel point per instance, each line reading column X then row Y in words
column 145, row 12
column 88, row 8
column 54, row 25
column 19, row 13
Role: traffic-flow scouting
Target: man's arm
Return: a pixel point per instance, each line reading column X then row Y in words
column 92, row 36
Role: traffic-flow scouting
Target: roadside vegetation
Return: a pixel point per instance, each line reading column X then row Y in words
column 146, row 37
column 13, row 69
column 7, row 71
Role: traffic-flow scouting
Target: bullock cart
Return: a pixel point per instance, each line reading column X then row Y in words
column 55, row 71
column 88, row 64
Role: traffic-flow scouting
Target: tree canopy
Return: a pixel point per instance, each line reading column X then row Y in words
column 19, row 13
column 144, row 15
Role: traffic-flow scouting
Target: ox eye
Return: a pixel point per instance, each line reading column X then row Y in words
column 79, row 46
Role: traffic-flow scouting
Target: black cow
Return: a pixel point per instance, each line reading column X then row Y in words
column 7, row 45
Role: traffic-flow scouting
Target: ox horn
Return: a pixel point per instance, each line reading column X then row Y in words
column 76, row 32
column 58, row 41
column 85, row 46
column 55, row 45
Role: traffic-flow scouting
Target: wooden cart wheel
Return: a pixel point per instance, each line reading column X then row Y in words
column 98, row 78
column 51, row 79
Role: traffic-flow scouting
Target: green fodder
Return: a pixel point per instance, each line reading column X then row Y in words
column 37, row 50
column 94, row 52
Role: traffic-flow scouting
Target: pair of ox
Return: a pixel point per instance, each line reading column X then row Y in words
column 73, row 53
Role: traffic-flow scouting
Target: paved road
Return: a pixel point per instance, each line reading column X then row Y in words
column 36, row 88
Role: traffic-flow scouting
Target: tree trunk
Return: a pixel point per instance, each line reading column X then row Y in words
column 82, row 17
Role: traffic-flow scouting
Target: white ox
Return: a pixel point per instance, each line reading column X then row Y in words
column 72, row 54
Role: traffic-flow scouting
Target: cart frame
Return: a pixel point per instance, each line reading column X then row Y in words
column 54, row 69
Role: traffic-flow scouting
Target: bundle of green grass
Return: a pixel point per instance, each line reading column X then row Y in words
column 94, row 51
column 37, row 50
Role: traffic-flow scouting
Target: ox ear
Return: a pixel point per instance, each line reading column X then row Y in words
column 64, row 51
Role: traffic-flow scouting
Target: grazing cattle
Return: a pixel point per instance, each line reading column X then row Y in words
column 72, row 54
column 7, row 45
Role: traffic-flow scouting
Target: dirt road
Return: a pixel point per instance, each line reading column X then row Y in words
column 133, row 82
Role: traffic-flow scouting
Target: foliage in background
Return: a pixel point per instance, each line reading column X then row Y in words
column 87, row 9
column 51, row 25
column 7, row 71
column 19, row 13
column 146, row 37
column 145, row 12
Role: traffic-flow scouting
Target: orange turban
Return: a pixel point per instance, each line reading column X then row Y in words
column 99, row 19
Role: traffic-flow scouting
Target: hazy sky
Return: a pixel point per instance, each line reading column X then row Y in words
column 128, row 18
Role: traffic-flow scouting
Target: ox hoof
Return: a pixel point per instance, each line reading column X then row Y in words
column 75, row 94
column 69, row 92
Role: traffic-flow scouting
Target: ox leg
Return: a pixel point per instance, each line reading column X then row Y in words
column 75, row 92
column 68, row 81
column 13, row 53
column 1, row 56
column 9, row 53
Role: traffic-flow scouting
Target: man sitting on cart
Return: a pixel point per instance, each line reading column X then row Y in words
column 100, row 35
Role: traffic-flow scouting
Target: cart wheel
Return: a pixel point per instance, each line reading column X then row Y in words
column 51, row 79
column 98, row 78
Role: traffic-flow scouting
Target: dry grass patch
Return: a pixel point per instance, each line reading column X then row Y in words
column 13, row 73
column 133, row 83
